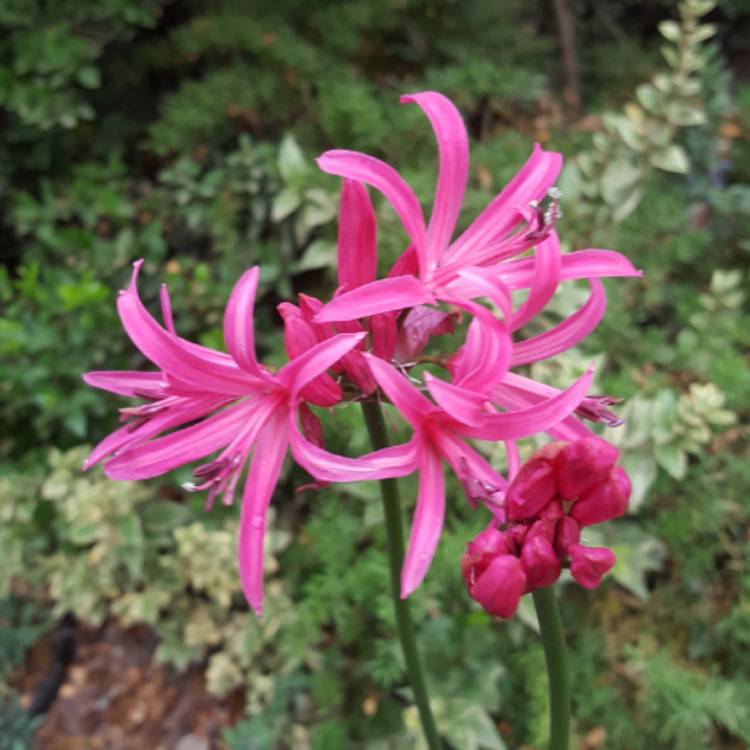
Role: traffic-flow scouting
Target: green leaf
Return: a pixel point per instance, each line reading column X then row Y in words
column 642, row 470
column 638, row 554
column 671, row 159
column 670, row 30
column 671, row 459
column 285, row 204
column 161, row 516
column 292, row 162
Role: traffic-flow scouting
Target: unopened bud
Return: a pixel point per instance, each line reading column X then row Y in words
column 605, row 501
column 583, row 464
column 540, row 563
column 500, row 587
column 588, row 565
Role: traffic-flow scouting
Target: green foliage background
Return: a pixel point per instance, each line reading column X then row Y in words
column 185, row 133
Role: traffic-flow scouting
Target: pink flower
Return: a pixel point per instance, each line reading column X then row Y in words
column 476, row 264
column 212, row 401
column 440, row 437
column 562, row 487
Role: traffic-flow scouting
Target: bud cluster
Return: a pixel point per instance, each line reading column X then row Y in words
column 561, row 489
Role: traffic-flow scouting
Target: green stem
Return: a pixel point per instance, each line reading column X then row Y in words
column 550, row 628
column 395, row 540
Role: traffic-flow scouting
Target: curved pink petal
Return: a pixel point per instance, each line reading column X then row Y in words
column 462, row 458
column 395, row 461
column 482, row 285
column 532, row 182
column 567, row 334
column 580, row 264
column 166, row 309
column 363, row 168
column 403, row 395
column 453, row 149
column 172, row 355
column 238, row 322
column 485, row 356
column 466, row 406
column 296, row 374
column 357, row 238
column 521, row 423
column 265, row 467
column 379, row 296
column 159, row 456
column 427, row 522
column 180, row 411
column 407, row 264
column 511, row 398
column 547, row 265
column 127, row 382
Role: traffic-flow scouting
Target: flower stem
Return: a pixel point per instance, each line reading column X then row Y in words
column 550, row 628
column 395, row 541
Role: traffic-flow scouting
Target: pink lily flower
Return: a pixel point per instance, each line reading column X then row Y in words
column 439, row 437
column 228, row 403
column 508, row 226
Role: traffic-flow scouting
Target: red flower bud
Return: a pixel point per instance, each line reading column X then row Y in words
column 540, row 563
column 534, row 485
column 605, row 501
column 583, row 464
column 568, row 532
column 589, row 564
column 499, row 588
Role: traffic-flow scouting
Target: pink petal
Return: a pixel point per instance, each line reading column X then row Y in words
column 482, row 285
column 238, row 322
column 453, row 148
column 166, row 309
column 407, row 264
column 186, row 363
column 357, row 240
column 462, row 458
column 179, row 412
column 581, row 264
column 166, row 453
column 265, row 468
column 383, row 177
column 299, row 337
column 403, row 395
column 513, row 425
column 395, row 461
column 379, row 296
column 127, row 382
column 483, row 360
column 531, row 183
column 427, row 524
column 466, row 406
column 300, row 371
column 547, row 265
column 384, row 333
column 565, row 335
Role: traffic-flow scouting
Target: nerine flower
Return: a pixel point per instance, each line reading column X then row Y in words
column 436, row 268
column 208, row 401
column 563, row 488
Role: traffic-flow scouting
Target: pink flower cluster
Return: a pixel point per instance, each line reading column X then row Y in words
column 365, row 342
column 561, row 489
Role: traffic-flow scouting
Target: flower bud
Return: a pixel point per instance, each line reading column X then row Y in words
column 568, row 532
column 589, row 564
column 540, row 563
column 480, row 552
column 499, row 588
column 534, row 486
column 583, row 464
column 605, row 501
